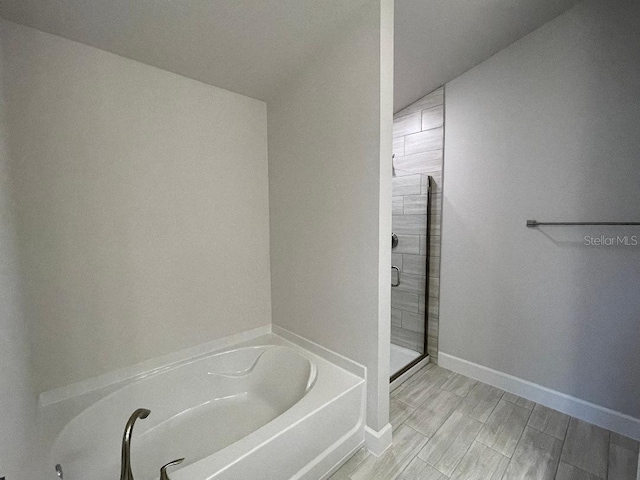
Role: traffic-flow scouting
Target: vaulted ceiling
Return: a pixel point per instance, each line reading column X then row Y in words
column 246, row 46
column 437, row 40
column 253, row 46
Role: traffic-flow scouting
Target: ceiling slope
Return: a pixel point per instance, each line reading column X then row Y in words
column 247, row 46
column 254, row 46
column 437, row 40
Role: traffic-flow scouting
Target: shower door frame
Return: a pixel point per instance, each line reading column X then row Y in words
column 425, row 354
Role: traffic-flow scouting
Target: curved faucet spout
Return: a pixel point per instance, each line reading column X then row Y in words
column 125, row 471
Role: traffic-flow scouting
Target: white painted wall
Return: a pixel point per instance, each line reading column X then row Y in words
column 142, row 206
column 18, row 457
column 330, row 199
column 548, row 129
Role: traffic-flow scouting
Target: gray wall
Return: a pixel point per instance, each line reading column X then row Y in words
column 142, row 207
column 18, row 458
column 548, row 129
column 327, row 171
column 417, row 145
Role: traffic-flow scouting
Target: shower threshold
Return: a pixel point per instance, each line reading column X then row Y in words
column 404, row 363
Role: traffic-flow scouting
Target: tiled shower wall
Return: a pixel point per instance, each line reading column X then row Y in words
column 418, row 148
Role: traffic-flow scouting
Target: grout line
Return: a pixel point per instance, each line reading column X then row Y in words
column 495, row 406
column 566, row 430
column 606, row 474
column 414, row 456
column 564, row 440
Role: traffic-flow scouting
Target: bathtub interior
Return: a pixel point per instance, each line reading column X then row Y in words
column 197, row 409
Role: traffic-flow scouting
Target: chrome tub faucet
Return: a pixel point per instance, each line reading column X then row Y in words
column 163, row 470
column 125, row 471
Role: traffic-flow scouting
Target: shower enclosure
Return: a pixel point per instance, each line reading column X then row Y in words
column 409, row 329
column 418, row 158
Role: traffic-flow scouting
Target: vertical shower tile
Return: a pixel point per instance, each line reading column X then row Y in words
column 436, row 203
column 433, row 325
column 435, row 225
column 434, row 287
column 434, row 266
column 423, row 244
column 434, row 302
column 432, row 349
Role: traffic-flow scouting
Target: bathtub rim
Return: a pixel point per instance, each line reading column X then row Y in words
column 65, row 403
column 117, row 379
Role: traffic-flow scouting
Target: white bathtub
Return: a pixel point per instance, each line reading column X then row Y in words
column 263, row 409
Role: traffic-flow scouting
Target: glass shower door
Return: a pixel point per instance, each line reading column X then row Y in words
column 410, row 296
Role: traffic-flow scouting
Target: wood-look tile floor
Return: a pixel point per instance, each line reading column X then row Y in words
column 448, row 426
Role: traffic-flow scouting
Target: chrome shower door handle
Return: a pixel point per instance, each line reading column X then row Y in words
column 397, row 276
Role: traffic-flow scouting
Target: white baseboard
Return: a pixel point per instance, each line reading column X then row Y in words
column 589, row 412
column 378, row 442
